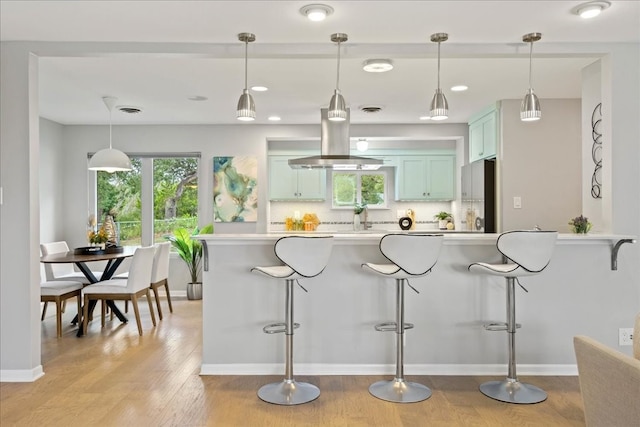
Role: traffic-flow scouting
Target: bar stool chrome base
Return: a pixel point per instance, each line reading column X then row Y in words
column 400, row 391
column 288, row 392
column 511, row 391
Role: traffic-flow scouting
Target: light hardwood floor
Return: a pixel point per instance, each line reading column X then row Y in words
column 113, row 377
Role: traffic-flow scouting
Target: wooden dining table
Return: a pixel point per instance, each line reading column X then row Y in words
column 113, row 258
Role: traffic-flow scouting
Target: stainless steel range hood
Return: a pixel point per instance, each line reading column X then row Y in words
column 334, row 149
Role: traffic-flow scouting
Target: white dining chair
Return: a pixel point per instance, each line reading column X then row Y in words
column 136, row 285
column 63, row 271
column 59, row 291
column 160, row 274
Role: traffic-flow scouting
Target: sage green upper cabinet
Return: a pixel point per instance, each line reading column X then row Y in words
column 295, row 184
column 425, row 178
column 483, row 135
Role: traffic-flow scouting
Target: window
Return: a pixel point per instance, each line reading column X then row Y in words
column 351, row 187
column 161, row 189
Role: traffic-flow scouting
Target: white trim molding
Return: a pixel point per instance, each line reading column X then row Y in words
column 21, row 375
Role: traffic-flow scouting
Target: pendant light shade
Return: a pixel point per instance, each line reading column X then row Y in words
column 439, row 106
column 530, row 107
column 246, row 107
column 337, row 110
column 110, row 160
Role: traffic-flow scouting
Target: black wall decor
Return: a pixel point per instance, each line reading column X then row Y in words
column 596, row 152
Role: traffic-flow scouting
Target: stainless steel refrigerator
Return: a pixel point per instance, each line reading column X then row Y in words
column 479, row 196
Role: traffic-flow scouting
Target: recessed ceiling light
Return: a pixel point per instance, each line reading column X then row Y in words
column 274, row 118
column 425, row 117
column 459, row 88
column 259, row 88
column 377, row 65
column 591, row 9
column 197, row 98
column 316, row 12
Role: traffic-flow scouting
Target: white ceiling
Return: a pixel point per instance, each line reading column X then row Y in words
column 156, row 54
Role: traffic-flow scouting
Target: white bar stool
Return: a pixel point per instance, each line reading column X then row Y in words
column 412, row 255
column 303, row 257
column 528, row 253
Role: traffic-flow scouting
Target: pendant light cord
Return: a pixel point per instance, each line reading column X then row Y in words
column 530, row 61
column 246, row 48
column 110, row 124
column 438, row 65
column 338, row 71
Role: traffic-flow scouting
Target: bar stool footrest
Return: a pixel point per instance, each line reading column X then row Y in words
column 278, row 328
column 391, row 326
column 500, row 326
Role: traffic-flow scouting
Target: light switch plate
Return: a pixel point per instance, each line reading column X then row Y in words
column 517, row 202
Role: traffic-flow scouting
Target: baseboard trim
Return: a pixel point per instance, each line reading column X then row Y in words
column 21, row 375
column 373, row 369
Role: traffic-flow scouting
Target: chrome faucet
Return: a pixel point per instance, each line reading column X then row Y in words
column 366, row 225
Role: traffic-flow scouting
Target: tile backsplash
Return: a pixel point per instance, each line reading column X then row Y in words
column 342, row 219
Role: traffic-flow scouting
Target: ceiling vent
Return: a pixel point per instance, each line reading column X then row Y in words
column 370, row 108
column 128, row 109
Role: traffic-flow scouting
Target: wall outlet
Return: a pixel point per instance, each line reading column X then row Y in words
column 400, row 213
column 625, row 336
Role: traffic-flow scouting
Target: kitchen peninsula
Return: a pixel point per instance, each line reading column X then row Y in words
column 337, row 314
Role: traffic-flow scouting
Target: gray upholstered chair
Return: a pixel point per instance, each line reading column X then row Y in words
column 609, row 384
column 527, row 253
column 411, row 256
column 303, row 257
column 636, row 338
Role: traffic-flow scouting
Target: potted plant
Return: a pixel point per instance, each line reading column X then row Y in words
column 358, row 208
column 190, row 250
column 443, row 218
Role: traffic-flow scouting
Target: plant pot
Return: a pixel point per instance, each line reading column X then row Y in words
column 442, row 224
column 194, row 291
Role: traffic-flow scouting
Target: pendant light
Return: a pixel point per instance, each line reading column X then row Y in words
column 337, row 111
column 530, row 107
column 439, row 104
column 110, row 160
column 246, row 107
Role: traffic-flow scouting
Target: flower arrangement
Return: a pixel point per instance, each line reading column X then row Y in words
column 95, row 235
column 98, row 236
column 580, row 224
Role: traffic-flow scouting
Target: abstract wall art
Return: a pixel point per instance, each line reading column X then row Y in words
column 235, row 189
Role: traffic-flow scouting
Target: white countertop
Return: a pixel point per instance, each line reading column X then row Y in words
column 370, row 236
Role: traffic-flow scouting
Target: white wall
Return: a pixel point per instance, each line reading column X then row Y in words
column 592, row 207
column 52, row 166
column 541, row 162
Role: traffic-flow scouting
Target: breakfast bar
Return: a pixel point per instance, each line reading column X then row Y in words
column 337, row 316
